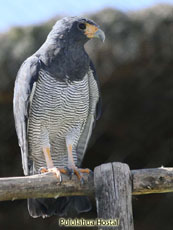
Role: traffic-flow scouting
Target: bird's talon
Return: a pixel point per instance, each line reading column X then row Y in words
column 88, row 171
column 82, row 180
column 42, row 170
column 70, row 172
column 55, row 171
column 60, row 179
column 80, row 171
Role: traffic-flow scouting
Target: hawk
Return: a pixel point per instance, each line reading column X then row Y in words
column 56, row 103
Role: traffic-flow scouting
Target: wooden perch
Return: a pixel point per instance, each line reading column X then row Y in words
column 44, row 186
column 144, row 181
column 154, row 180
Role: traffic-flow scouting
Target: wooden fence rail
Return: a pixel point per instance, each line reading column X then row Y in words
column 111, row 185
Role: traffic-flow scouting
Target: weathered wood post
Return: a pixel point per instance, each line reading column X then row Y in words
column 113, row 191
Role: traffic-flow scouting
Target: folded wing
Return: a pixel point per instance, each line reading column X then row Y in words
column 27, row 75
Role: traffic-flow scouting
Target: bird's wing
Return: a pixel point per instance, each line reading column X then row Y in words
column 94, row 112
column 27, row 75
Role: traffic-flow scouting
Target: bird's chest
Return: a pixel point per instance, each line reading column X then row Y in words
column 67, row 101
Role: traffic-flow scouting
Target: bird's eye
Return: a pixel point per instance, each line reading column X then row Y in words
column 82, row 26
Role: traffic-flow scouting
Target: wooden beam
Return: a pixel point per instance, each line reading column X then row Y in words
column 44, row 186
column 144, row 181
column 113, row 191
column 154, row 180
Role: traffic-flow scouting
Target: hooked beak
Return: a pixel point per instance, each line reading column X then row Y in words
column 99, row 34
column 93, row 31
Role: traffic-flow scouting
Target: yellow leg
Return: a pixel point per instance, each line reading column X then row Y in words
column 77, row 171
column 58, row 171
column 49, row 163
column 70, row 157
column 48, row 158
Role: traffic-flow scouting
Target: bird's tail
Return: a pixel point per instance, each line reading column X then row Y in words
column 62, row 206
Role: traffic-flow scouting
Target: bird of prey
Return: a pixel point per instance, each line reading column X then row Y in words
column 56, row 103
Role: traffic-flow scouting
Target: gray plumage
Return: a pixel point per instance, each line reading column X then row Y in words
column 56, row 102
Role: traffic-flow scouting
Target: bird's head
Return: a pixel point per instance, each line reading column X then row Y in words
column 76, row 29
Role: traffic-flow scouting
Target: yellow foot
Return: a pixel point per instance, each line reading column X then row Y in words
column 78, row 172
column 53, row 170
column 67, row 170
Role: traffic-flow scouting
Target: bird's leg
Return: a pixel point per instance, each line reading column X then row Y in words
column 50, row 165
column 71, row 163
column 72, row 167
column 48, row 158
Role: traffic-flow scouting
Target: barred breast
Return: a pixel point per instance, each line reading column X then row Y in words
column 58, row 113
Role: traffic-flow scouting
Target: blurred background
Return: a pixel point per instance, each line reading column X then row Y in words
column 135, row 67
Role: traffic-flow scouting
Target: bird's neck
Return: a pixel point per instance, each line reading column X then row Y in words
column 66, row 60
